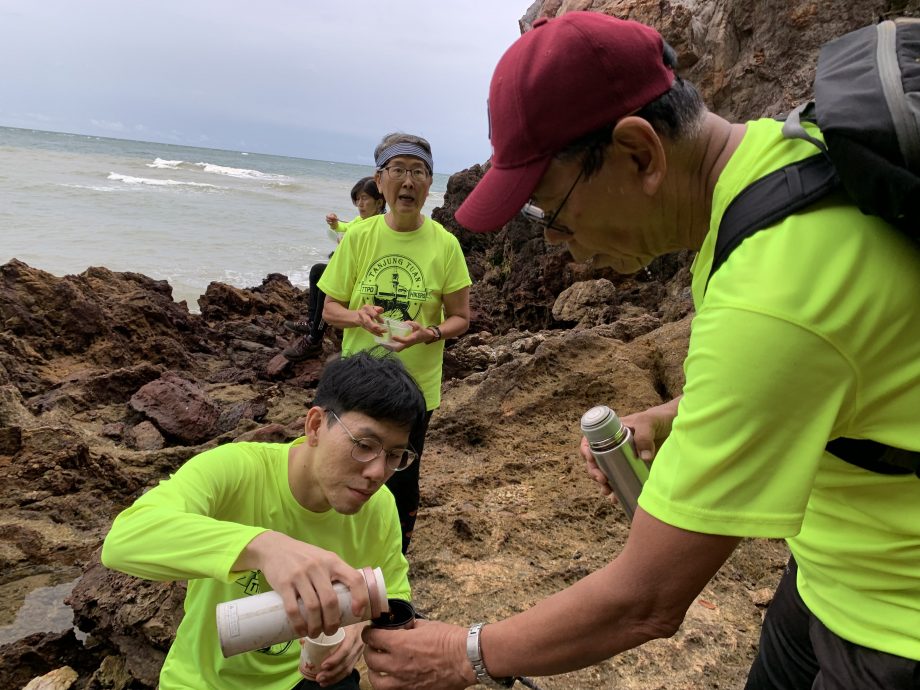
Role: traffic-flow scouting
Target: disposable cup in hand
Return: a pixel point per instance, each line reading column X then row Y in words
column 316, row 649
column 397, row 328
column 393, row 327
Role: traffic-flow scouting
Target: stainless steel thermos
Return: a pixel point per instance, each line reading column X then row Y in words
column 612, row 446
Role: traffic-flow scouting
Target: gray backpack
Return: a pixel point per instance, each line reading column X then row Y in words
column 867, row 106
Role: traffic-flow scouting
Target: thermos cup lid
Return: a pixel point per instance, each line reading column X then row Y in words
column 377, row 590
column 599, row 424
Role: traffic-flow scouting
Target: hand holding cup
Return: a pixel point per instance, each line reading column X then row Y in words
column 314, row 650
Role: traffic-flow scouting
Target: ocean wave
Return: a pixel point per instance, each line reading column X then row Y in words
column 162, row 164
column 128, row 179
column 215, row 169
column 242, row 173
column 288, row 187
column 94, row 188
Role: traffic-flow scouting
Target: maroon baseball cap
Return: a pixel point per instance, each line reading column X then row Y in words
column 564, row 78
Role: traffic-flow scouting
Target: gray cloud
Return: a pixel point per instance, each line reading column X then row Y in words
column 278, row 76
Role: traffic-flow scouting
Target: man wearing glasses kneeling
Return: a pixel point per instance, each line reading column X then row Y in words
column 295, row 517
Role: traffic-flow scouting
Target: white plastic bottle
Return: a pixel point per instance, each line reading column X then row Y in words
column 260, row 621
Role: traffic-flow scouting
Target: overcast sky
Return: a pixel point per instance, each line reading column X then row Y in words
column 321, row 80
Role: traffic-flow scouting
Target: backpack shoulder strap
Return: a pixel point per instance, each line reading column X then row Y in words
column 770, row 199
column 875, row 456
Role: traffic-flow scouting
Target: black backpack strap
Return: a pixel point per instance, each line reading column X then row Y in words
column 766, row 202
column 770, row 199
column 875, row 456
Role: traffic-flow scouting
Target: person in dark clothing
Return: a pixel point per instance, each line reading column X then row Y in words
column 369, row 202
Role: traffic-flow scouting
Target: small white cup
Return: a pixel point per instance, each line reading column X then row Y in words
column 316, row 649
column 393, row 327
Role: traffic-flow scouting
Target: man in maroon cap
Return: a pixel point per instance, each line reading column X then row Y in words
column 596, row 138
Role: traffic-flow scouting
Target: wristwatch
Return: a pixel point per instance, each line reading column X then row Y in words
column 474, row 654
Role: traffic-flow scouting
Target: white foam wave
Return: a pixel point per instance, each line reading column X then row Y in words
column 242, row 173
column 128, row 179
column 163, row 164
column 94, row 188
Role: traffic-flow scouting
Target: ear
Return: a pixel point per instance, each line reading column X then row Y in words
column 316, row 417
column 636, row 139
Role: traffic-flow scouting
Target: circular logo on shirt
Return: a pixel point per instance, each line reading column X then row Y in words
column 397, row 284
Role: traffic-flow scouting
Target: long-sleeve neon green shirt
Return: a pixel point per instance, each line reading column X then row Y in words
column 194, row 525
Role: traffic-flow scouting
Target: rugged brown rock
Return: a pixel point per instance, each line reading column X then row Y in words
column 97, row 370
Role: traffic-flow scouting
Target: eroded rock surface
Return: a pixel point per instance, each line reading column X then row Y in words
column 107, row 385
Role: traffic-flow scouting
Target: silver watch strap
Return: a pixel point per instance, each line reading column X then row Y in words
column 474, row 654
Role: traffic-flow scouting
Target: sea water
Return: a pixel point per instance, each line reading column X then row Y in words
column 177, row 213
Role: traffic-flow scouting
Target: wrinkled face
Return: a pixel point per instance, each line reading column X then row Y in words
column 343, row 483
column 603, row 220
column 407, row 195
column 367, row 205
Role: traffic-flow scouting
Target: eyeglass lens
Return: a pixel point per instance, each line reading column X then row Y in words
column 367, row 449
column 399, row 173
column 535, row 213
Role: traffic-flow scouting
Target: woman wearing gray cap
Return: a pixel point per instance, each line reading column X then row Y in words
column 402, row 267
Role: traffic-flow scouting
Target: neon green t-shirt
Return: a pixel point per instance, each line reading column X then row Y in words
column 808, row 332
column 194, row 525
column 407, row 273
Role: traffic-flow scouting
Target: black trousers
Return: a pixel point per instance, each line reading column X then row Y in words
column 797, row 652
column 347, row 683
column 315, row 305
column 404, row 485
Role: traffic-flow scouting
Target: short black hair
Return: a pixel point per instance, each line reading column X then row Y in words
column 369, row 187
column 377, row 386
column 675, row 114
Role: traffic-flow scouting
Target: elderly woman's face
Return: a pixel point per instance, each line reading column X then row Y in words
column 404, row 183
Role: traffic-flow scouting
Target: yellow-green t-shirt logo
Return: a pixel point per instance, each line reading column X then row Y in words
column 397, row 284
column 251, row 583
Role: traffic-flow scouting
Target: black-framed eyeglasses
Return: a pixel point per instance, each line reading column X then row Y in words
column 365, row 450
column 397, row 172
column 537, row 215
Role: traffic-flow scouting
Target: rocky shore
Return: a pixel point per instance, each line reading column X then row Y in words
column 107, row 385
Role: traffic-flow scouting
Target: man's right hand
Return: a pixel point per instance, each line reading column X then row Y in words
column 332, row 220
column 368, row 317
column 650, row 429
column 303, row 575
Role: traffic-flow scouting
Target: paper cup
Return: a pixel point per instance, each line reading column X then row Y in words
column 316, row 649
